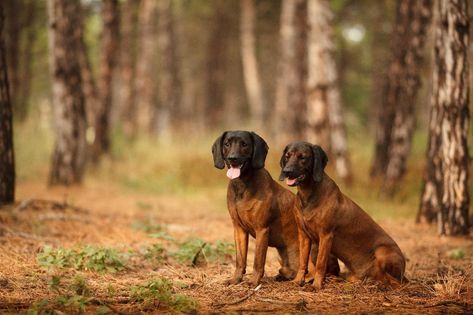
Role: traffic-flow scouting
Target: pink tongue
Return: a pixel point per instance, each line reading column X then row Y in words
column 290, row 182
column 233, row 173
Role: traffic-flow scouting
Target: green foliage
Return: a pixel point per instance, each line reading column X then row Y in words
column 86, row 258
column 161, row 291
column 457, row 253
column 192, row 251
column 156, row 252
column 72, row 298
column 163, row 235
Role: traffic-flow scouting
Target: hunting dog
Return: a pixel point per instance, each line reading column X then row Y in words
column 258, row 206
column 326, row 216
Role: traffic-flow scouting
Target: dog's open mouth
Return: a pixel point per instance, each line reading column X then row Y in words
column 234, row 171
column 295, row 181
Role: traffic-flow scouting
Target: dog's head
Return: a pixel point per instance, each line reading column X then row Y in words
column 239, row 151
column 302, row 160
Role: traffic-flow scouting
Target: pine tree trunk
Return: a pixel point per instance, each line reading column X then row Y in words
column 128, row 66
column 445, row 195
column 68, row 98
column 110, row 40
column 415, row 15
column 7, row 158
column 170, row 88
column 289, row 108
column 325, row 123
column 380, row 56
column 216, row 67
column 250, row 64
column 146, row 89
column 401, row 83
column 89, row 86
column 14, row 15
column 24, row 92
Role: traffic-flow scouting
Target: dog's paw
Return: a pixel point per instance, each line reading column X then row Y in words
column 318, row 282
column 233, row 281
column 255, row 281
column 299, row 280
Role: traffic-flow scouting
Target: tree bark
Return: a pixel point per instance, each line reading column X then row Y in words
column 146, row 89
column 7, row 158
column 445, row 196
column 128, row 67
column 290, row 108
column 216, row 70
column 325, row 122
column 14, row 15
column 250, row 64
column 89, row 85
column 109, row 49
column 415, row 19
column 68, row 159
column 26, row 57
column 400, row 87
column 170, row 86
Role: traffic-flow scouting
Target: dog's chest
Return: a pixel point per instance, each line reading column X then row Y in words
column 309, row 222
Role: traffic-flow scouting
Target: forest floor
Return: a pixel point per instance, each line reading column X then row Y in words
column 140, row 238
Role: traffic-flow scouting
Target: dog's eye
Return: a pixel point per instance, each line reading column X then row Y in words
column 243, row 144
column 302, row 158
column 227, row 144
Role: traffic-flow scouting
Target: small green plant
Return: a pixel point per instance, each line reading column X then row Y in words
column 160, row 291
column 86, row 258
column 193, row 251
column 163, row 235
column 72, row 298
column 457, row 253
column 156, row 252
column 222, row 251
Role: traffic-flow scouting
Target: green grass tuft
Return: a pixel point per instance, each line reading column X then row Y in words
column 85, row 258
column 161, row 291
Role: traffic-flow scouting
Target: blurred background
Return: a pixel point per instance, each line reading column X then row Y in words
column 160, row 80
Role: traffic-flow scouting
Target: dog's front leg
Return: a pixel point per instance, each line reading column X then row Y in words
column 262, row 239
column 241, row 244
column 304, row 253
column 325, row 246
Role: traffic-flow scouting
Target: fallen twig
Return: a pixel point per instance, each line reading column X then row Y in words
column 196, row 256
column 250, row 294
column 459, row 303
column 261, row 299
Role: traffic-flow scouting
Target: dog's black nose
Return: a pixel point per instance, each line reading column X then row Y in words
column 232, row 159
column 289, row 173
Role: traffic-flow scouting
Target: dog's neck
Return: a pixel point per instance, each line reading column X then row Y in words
column 310, row 191
column 246, row 181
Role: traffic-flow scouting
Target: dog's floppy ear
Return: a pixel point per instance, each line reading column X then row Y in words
column 320, row 161
column 260, row 150
column 282, row 163
column 217, row 152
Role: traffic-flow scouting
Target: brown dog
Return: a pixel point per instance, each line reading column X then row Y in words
column 331, row 219
column 257, row 204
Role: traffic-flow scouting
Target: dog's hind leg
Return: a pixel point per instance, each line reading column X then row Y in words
column 390, row 266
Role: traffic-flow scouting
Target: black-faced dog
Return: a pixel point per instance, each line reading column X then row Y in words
column 257, row 204
column 326, row 216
